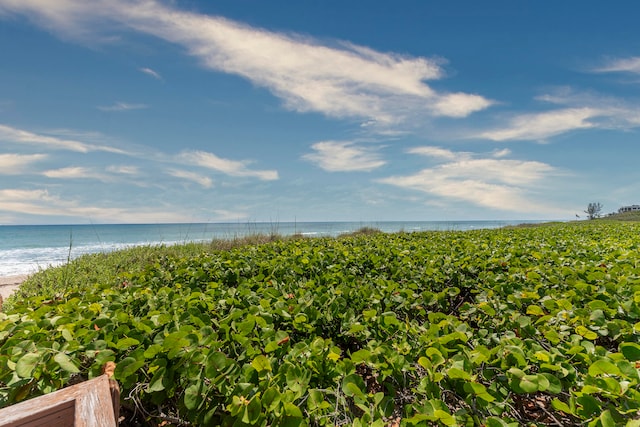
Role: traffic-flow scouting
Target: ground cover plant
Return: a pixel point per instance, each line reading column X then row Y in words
column 518, row 326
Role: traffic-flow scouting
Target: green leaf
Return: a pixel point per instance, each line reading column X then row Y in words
column 455, row 373
column 261, row 364
column 603, row 367
column 175, row 341
column 361, row 356
column 126, row 343
column 554, row 386
column 26, row 364
column 192, row 397
column 587, row 333
column 271, row 346
column 271, row 399
column 292, row 410
column 607, row 419
column 529, row 383
column 590, row 406
column 559, row 405
column 424, row 362
column 316, row 400
column 631, row 351
column 216, row 363
column 65, row 363
column 445, row 417
column 127, row 367
column 254, row 409
column 156, row 383
column 353, row 385
column 495, row 422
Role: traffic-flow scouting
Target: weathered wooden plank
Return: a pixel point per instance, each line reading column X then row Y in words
column 87, row 404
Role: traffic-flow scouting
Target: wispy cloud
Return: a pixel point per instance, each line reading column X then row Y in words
column 14, row 164
column 123, row 169
column 38, row 202
column 204, row 181
column 226, row 166
column 436, row 152
column 343, row 156
column 620, row 65
column 76, row 172
column 540, row 126
column 19, row 136
column 573, row 110
column 123, row 106
column 494, row 183
column 150, row 72
column 337, row 79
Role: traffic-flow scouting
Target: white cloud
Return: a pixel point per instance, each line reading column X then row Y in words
column 501, row 153
column 41, row 203
column 436, row 152
column 13, row 164
column 75, row 172
column 339, row 80
column 628, row 65
column 507, row 185
column 540, row 126
column 226, row 166
column 123, row 106
column 343, row 156
column 123, row 170
column 204, row 181
column 580, row 110
column 460, row 104
column 19, row 136
column 150, row 72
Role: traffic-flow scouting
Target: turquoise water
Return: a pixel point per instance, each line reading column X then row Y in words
column 25, row 249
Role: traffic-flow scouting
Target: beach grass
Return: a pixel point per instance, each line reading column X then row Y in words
column 83, row 272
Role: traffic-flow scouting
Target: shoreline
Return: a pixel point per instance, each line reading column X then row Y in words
column 8, row 284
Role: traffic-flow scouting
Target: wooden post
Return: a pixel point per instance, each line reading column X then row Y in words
column 91, row 403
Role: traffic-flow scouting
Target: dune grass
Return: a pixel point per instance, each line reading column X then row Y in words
column 109, row 267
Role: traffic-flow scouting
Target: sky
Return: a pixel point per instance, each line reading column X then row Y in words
column 154, row 111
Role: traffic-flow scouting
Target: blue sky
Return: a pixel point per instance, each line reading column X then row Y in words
column 196, row 111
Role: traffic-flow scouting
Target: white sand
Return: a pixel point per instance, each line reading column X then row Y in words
column 9, row 284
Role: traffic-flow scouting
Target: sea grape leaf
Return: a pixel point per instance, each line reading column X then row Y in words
column 456, row 373
column 445, row 417
column 554, row 386
column 529, row 383
column 65, row 363
column 601, row 367
column 589, row 404
column 495, row 422
column 26, row 364
column 261, row 364
column 126, row 343
column 631, row 351
column 192, row 397
column 156, row 383
column 127, row 367
column 352, row 385
column 361, row 356
column 271, row 399
column 559, row 405
column 252, row 411
column 292, row 410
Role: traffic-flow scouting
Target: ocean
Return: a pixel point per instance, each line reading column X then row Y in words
column 26, row 249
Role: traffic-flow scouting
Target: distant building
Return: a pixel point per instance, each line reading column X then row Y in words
column 631, row 208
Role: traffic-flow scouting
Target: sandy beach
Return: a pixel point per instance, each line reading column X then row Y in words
column 9, row 284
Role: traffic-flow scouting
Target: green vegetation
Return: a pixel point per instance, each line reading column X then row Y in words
column 518, row 326
column 624, row 216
